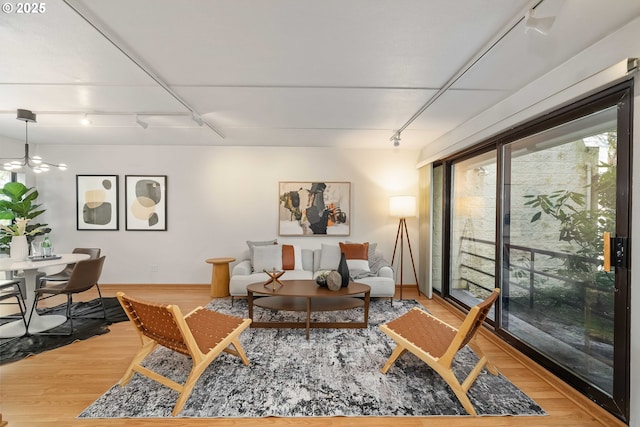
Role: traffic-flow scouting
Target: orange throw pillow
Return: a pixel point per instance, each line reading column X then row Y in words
column 288, row 257
column 355, row 250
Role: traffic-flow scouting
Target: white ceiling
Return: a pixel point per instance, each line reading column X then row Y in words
column 335, row 73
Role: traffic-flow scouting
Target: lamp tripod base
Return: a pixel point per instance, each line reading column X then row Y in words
column 401, row 233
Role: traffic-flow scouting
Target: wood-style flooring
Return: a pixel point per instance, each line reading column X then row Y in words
column 51, row 389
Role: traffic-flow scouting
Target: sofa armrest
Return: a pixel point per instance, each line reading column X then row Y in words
column 385, row 272
column 243, row 268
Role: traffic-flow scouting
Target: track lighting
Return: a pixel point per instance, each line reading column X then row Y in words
column 196, row 118
column 541, row 25
column 141, row 123
column 396, row 140
column 85, row 121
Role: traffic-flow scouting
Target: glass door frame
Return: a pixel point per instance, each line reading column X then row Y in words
column 618, row 94
column 448, row 164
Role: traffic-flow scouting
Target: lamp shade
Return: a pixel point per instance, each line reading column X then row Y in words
column 402, row 206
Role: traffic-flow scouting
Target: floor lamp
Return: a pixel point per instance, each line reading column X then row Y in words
column 403, row 207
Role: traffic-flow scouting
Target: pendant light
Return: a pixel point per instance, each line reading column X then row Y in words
column 35, row 163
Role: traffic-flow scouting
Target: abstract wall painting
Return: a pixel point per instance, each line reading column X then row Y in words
column 314, row 208
column 146, row 202
column 97, row 202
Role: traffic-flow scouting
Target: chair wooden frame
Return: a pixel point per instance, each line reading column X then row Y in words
column 436, row 343
column 202, row 335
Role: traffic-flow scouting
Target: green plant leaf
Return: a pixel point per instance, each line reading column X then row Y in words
column 15, row 190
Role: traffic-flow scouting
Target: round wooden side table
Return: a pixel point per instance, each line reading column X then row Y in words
column 220, row 276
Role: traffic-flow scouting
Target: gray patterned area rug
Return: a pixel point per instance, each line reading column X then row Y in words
column 335, row 373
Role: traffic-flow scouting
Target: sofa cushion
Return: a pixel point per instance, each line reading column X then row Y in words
column 299, row 265
column 267, row 258
column 253, row 244
column 357, row 255
column 288, row 257
column 358, row 265
column 372, row 248
column 381, row 287
column 329, row 257
column 355, row 250
column 292, row 257
column 308, row 256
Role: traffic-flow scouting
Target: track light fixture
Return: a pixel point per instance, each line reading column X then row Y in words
column 196, row 118
column 141, row 123
column 85, row 121
column 35, row 163
column 541, row 25
column 396, row 140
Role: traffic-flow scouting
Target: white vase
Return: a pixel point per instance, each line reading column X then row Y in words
column 19, row 248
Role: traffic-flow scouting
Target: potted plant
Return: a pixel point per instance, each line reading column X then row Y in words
column 19, row 207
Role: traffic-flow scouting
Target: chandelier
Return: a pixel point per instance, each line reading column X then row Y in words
column 35, row 163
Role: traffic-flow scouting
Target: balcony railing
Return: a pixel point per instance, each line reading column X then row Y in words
column 537, row 273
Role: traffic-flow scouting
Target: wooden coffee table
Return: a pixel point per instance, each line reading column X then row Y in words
column 307, row 296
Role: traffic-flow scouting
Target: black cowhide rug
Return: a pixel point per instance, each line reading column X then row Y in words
column 88, row 322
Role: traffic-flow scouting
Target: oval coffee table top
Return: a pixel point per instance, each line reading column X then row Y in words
column 306, row 288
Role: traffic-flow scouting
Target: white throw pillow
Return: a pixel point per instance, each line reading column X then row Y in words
column 329, row 257
column 358, row 264
column 267, row 258
column 253, row 244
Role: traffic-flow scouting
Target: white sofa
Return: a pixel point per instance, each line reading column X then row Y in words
column 382, row 281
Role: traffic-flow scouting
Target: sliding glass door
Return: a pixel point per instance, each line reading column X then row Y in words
column 561, row 191
column 565, row 192
column 473, row 229
column 543, row 212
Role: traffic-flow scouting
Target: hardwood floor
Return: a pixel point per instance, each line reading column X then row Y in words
column 51, row 389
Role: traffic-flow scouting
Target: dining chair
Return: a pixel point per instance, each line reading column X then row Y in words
column 201, row 335
column 11, row 289
column 436, row 343
column 84, row 276
column 64, row 275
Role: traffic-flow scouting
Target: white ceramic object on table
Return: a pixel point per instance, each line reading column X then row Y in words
column 19, row 248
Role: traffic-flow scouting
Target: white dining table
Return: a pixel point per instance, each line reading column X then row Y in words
column 37, row 323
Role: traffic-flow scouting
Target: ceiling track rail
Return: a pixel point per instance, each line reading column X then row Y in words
column 469, row 64
column 146, row 69
column 105, row 113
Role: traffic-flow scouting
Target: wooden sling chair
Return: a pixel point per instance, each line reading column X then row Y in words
column 436, row 343
column 202, row 335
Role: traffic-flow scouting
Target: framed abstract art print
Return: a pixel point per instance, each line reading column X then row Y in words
column 146, row 202
column 318, row 208
column 97, row 202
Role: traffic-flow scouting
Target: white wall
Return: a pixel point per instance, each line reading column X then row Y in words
column 218, row 197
